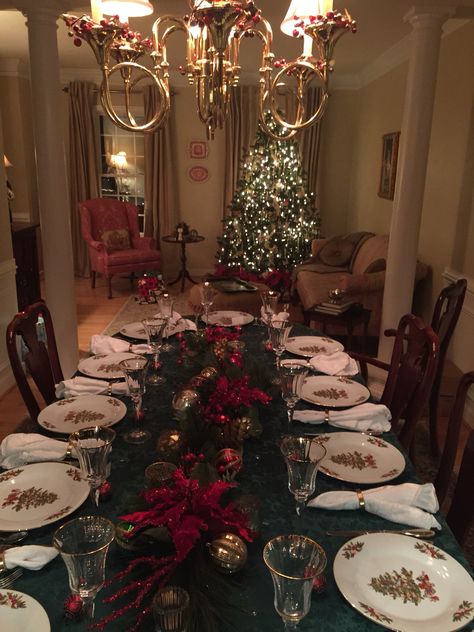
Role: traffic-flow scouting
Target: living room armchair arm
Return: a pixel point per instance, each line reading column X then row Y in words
column 143, row 243
column 363, row 283
column 316, row 245
column 364, row 360
column 97, row 245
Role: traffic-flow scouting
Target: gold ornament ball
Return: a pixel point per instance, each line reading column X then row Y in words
column 209, row 373
column 228, row 553
column 169, row 445
column 185, row 399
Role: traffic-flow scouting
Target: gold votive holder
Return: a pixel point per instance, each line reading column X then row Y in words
column 171, row 609
column 159, row 474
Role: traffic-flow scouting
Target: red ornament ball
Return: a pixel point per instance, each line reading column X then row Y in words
column 105, row 491
column 77, row 41
column 319, row 583
column 73, row 607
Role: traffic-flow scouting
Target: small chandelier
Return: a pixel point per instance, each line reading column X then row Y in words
column 214, row 30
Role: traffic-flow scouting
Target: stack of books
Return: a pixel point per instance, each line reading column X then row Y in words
column 334, row 308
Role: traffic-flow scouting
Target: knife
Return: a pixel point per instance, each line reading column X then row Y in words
column 415, row 533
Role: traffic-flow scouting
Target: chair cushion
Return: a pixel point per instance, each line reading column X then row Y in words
column 336, row 252
column 116, row 239
column 132, row 256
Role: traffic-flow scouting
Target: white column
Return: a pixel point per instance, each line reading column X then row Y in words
column 412, row 163
column 52, row 179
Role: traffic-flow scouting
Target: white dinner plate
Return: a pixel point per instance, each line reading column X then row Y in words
column 360, row 458
column 134, row 330
column 21, row 613
column 83, row 411
column 104, row 365
column 309, row 346
column 333, row 392
column 39, row 494
column 228, row 318
column 404, row 584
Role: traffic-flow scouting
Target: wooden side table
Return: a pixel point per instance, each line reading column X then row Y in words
column 183, row 273
column 354, row 316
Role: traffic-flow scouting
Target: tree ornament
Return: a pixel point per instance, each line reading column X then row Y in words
column 228, row 463
column 220, row 348
column 228, row 553
column 209, row 373
column 184, row 399
column 319, row 583
column 73, row 607
column 105, row 491
column 169, row 445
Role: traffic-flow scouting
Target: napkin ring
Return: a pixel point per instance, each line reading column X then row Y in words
column 360, row 498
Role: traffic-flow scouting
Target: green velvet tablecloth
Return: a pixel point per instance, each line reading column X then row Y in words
column 264, row 474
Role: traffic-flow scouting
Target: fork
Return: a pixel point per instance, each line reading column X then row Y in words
column 6, row 580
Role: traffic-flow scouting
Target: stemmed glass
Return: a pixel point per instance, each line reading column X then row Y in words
column 294, row 562
column 270, row 300
column 165, row 310
column 302, row 457
column 279, row 333
column 155, row 329
column 93, row 446
column 83, row 544
column 134, row 370
column 207, row 299
column 292, row 375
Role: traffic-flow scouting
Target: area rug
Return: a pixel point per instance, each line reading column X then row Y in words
column 133, row 311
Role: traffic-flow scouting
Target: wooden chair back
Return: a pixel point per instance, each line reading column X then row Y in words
column 461, row 511
column 445, row 317
column 446, row 466
column 40, row 358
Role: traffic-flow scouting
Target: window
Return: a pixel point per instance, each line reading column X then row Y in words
column 122, row 165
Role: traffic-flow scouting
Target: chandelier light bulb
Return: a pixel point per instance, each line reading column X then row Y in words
column 130, row 8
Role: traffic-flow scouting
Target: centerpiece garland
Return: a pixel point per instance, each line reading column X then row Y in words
column 194, row 528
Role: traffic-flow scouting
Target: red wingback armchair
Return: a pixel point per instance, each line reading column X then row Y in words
column 110, row 228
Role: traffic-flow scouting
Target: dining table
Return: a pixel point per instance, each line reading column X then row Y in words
column 264, row 476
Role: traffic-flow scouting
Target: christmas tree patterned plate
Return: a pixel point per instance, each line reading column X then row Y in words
column 359, row 458
column 104, row 365
column 333, row 392
column 404, row 584
column 39, row 494
column 309, row 346
column 83, row 411
column 228, row 318
column 21, row 613
column 135, row 331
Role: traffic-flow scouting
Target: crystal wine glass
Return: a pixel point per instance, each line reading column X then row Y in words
column 155, row 328
column 292, row 375
column 93, row 446
column 270, row 300
column 83, row 544
column 279, row 332
column 165, row 310
column 294, row 562
column 302, row 457
column 207, row 299
column 134, row 370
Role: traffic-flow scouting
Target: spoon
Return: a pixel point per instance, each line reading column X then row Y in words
column 13, row 538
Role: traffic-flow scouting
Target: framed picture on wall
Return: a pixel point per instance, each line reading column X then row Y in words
column 388, row 172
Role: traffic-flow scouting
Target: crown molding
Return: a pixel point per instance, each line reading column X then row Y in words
column 12, row 67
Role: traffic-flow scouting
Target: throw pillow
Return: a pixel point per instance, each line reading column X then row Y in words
column 117, row 239
column 336, row 252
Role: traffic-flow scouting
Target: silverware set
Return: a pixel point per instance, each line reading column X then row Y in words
column 8, row 577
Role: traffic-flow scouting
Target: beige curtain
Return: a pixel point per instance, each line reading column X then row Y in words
column 83, row 162
column 161, row 197
column 240, row 130
column 310, row 141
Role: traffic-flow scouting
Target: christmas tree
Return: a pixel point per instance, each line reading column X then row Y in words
column 272, row 219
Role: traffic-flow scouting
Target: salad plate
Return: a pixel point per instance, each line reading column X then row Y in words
column 72, row 414
column 404, row 584
column 359, row 458
column 38, row 494
column 228, row 318
column 21, row 613
column 309, row 346
column 333, row 392
column 104, row 365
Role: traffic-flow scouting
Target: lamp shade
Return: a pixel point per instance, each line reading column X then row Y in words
column 131, row 8
column 118, row 161
column 302, row 10
column 6, row 162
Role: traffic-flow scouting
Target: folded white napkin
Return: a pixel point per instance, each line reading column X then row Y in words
column 177, row 323
column 375, row 417
column 337, row 363
column 280, row 317
column 20, row 448
column 407, row 503
column 88, row 386
column 108, row 344
column 30, row 556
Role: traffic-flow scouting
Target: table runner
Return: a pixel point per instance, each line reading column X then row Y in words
column 264, row 474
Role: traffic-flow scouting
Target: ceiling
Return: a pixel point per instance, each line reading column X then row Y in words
column 380, row 26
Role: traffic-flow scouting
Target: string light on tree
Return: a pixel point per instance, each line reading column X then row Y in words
column 271, row 219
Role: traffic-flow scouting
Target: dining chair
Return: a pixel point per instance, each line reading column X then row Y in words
column 461, row 511
column 110, row 229
column 445, row 470
column 32, row 350
column 409, row 374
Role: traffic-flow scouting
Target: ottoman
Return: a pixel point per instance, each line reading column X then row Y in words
column 239, row 301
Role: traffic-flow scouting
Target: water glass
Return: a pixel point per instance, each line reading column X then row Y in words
column 302, row 457
column 279, row 332
column 294, row 562
column 171, row 609
column 207, row 298
column 134, row 370
column 155, row 329
column 83, row 544
column 93, row 446
column 292, row 376
column 165, row 309
column 269, row 300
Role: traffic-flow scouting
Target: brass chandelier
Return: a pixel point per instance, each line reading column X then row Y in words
column 214, row 30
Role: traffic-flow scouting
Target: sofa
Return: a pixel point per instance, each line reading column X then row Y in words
column 354, row 263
